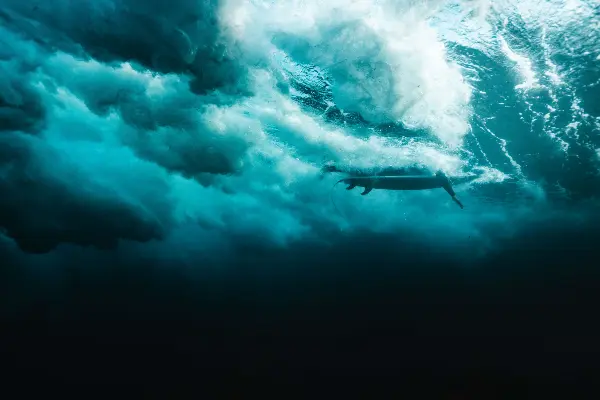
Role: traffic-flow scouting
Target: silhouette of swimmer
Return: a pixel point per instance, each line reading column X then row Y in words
column 395, row 179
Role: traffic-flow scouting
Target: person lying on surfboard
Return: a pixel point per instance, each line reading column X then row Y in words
column 395, row 179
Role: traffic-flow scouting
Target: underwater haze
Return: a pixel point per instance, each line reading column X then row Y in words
column 145, row 139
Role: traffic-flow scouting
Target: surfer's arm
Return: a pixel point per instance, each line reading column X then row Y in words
column 448, row 188
column 458, row 202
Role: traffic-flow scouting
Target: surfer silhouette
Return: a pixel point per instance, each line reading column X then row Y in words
column 394, row 179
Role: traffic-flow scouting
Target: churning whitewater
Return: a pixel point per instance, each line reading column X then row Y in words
column 185, row 126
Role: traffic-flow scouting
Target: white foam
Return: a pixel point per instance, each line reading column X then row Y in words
column 524, row 66
column 388, row 63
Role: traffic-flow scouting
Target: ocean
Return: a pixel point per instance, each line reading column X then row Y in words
column 162, row 187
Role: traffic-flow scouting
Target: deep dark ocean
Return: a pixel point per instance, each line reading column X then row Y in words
column 165, row 218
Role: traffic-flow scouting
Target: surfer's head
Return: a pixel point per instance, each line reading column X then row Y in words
column 440, row 174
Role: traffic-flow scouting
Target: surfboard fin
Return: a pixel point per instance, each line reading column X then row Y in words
column 367, row 191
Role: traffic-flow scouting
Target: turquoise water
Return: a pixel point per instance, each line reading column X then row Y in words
column 163, row 212
column 177, row 130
